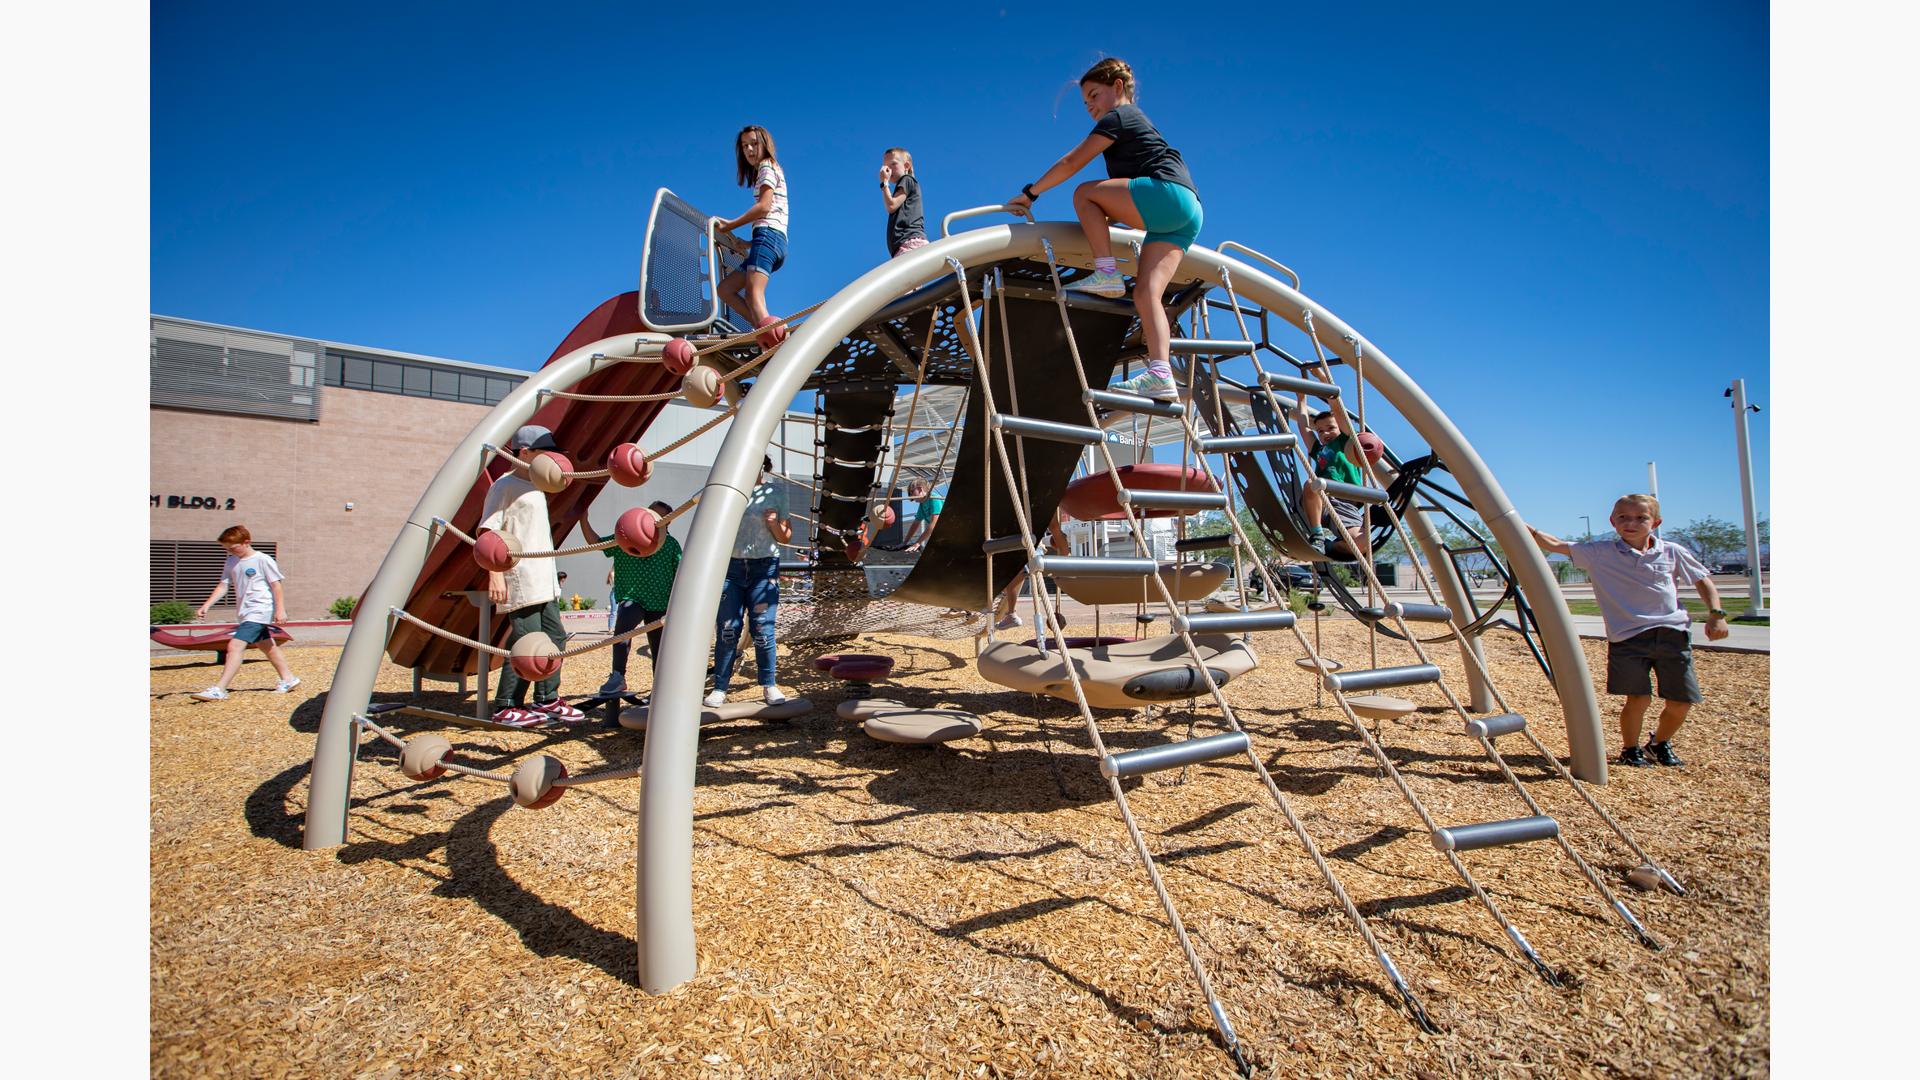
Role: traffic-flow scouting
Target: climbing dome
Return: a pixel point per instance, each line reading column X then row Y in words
column 971, row 363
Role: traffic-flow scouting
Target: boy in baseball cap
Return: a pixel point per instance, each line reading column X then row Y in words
column 528, row 592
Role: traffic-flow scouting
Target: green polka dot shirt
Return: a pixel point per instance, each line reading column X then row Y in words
column 645, row 581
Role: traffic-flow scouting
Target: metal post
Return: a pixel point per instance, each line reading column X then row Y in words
column 1653, row 481
column 1757, row 604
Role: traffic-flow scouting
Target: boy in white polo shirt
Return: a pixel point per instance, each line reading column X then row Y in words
column 1636, row 579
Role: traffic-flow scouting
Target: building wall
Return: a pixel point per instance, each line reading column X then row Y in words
column 290, row 482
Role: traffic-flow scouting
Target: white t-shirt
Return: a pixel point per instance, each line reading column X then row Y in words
column 773, row 176
column 754, row 540
column 517, row 510
column 249, row 578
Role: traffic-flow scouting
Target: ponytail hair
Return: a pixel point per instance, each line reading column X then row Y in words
column 1115, row 72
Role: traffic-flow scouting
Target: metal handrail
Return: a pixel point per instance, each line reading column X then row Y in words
column 946, row 223
column 1268, row 259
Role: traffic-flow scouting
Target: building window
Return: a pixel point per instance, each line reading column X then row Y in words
column 414, row 379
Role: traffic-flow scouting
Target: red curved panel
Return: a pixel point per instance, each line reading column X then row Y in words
column 586, row 431
column 1091, row 498
column 213, row 642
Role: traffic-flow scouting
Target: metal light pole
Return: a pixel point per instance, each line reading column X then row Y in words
column 1757, row 605
column 1653, row 481
column 1588, row 518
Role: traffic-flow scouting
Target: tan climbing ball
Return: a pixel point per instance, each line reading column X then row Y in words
column 535, row 657
column 701, row 386
column 550, row 471
column 421, row 758
column 533, row 779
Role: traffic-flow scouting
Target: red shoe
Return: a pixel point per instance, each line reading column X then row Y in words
column 560, row 710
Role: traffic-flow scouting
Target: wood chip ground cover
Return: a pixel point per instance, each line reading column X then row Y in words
column 867, row 909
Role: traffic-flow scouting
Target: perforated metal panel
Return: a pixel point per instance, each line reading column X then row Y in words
column 187, row 569
column 679, row 265
column 221, row 370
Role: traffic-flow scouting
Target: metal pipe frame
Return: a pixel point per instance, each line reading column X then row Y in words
column 664, row 919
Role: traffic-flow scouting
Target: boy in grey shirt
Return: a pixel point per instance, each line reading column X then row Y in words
column 1636, row 580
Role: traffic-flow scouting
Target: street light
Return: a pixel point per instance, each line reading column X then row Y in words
column 1588, row 518
column 1757, row 604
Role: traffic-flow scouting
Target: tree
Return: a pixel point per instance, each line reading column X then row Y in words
column 1715, row 541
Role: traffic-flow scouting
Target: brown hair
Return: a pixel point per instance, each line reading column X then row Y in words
column 1112, row 71
column 741, row 168
column 236, row 534
column 1650, row 502
column 904, row 156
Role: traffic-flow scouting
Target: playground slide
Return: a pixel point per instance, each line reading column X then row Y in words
column 952, row 569
column 586, row 431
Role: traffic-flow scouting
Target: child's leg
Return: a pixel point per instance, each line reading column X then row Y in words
column 1098, row 202
column 550, row 624
column 1313, row 506
column 278, row 659
column 1672, row 715
column 726, row 638
column 732, row 291
column 1158, row 261
column 1009, row 596
column 1632, row 711
column 757, row 295
column 236, row 651
column 763, row 600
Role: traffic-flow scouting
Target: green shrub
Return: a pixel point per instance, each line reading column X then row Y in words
column 171, row 613
column 342, row 607
column 1298, row 601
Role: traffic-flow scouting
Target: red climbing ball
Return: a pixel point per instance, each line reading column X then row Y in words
column 678, row 356
column 1371, row 445
column 638, row 532
column 772, row 332
column 628, row 465
column 492, row 553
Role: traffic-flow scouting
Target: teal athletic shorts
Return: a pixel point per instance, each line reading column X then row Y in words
column 1170, row 211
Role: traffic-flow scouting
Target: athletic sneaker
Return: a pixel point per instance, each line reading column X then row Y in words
column 772, row 695
column 519, row 716
column 212, row 693
column 715, row 699
column 616, row 684
column 560, row 711
column 1009, row 622
column 1148, row 385
column 1635, row 757
column 287, row 684
column 1100, row 283
column 1662, row 752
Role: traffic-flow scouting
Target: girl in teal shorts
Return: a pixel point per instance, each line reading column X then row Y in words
column 1148, row 188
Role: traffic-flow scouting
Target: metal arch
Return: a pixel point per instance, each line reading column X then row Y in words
column 332, row 777
column 664, row 915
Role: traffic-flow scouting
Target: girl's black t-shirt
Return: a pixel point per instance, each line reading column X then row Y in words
column 1139, row 150
column 909, row 221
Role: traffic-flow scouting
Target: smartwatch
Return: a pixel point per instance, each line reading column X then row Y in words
column 1711, row 612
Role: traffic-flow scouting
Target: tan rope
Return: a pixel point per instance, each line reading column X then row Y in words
column 741, row 339
column 401, row 613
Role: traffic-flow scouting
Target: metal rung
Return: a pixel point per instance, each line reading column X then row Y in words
column 1492, row 727
column 1190, row 501
column 1209, row 347
column 1134, row 403
column 1382, row 678
column 1000, row 545
column 1052, row 430
column 1354, row 492
column 1174, row 755
column 1409, row 612
column 1246, row 444
column 1274, row 381
column 1475, row 549
column 1096, row 566
column 1205, row 543
column 1234, row 622
column 1495, row 833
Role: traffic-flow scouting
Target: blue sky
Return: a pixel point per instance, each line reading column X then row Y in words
column 1556, row 219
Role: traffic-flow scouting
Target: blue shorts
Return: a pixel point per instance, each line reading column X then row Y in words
column 1170, row 211
column 769, row 251
column 251, row 632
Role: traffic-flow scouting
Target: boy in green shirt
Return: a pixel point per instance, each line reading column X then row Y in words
column 1332, row 458
column 641, row 587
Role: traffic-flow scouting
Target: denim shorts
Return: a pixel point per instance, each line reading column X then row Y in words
column 769, row 251
column 1171, row 212
column 251, row 632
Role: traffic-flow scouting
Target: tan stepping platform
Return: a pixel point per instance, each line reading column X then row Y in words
column 1186, row 581
column 1307, row 662
column 1380, row 706
column 861, row 708
column 634, row 718
column 1125, row 675
column 921, row 726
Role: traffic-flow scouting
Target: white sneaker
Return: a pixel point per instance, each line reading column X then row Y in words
column 212, row 693
column 287, row 684
column 773, row 695
column 1148, row 385
column 1009, row 622
column 1101, row 283
column 716, row 699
